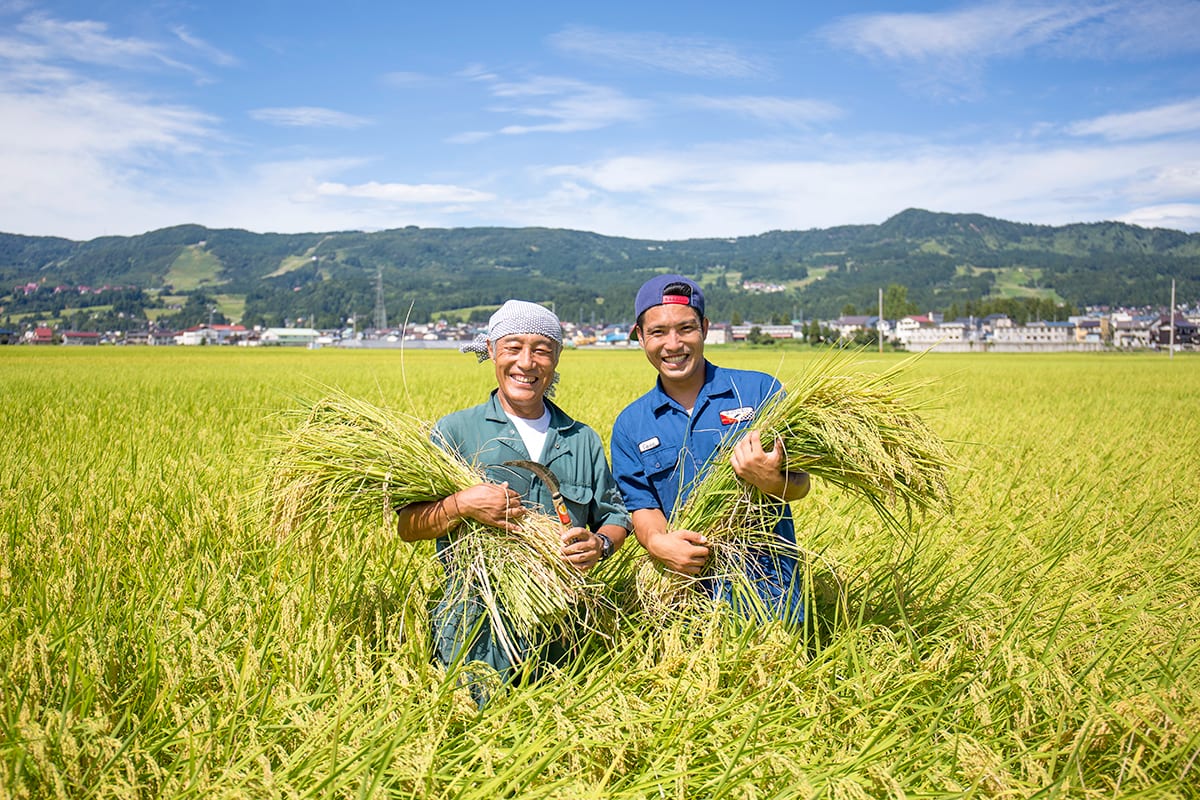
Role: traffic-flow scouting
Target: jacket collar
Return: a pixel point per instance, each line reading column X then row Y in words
column 715, row 383
column 558, row 418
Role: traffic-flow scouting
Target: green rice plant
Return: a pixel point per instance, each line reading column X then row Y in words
column 1042, row 642
column 345, row 464
column 860, row 431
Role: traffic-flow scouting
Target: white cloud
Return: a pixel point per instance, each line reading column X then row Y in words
column 210, row 52
column 79, row 155
column 796, row 112
column 405, row 192
column 88, row 42
column 974, row 32
column 308, row 117
column 690, row 55
column 986, row 30
column 568, row 105
column 1133, row 30
column 1177, row 216
column 1160, row 121
column 722, row 192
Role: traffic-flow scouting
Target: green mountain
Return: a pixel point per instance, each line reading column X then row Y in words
column 954, row 263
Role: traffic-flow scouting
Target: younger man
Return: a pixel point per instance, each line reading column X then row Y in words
column 666, row 440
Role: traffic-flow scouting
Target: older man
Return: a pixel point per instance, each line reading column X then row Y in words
column 665, row 441
column 518, row 422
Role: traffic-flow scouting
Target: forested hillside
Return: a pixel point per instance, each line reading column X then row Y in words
column 927, row 261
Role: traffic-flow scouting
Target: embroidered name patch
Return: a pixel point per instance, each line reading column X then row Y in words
column 743, row 414
column 649, row 444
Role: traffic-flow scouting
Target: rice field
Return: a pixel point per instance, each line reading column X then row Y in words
column 156, row 640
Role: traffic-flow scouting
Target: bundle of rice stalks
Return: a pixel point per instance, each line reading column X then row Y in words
column 860, row 431
column 345, row 464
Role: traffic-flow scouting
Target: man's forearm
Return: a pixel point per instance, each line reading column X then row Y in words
column 648, row 523
column 419, row 521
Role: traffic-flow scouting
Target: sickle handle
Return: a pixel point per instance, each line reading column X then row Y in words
column 561, row 508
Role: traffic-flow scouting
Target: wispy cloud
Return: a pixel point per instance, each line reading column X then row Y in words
column 982, row 31
column 794, row 112
column 566, row 105
column 89, row 42
column 308, row 117
column 1131, row 31
column 975, row 32
column 422, row 193
column 213, row 54
column 687, row 55
column 1148, row 123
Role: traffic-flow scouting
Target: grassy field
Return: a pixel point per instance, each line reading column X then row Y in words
column 195, row 267
column 156, row 642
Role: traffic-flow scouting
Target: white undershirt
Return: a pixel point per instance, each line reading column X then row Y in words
column 533, row 432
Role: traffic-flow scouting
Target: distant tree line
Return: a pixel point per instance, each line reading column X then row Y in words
column 942, row 262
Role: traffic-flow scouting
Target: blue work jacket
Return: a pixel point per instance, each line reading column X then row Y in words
column 660, row 452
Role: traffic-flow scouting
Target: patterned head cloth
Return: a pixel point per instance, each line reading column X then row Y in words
column 514, row 317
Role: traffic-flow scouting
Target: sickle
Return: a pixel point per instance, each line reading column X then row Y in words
column 547, row 477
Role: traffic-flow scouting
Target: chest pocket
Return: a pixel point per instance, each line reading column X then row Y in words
column 660, row 468
column 659, row 460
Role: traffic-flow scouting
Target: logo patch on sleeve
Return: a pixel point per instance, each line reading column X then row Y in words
column 743, row 414
column 649, row 444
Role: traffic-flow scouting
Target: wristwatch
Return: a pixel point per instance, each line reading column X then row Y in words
column 606, row 546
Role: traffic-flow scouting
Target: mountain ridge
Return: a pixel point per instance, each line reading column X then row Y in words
column 942, row 260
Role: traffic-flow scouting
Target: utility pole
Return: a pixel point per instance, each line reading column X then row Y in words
column 380, row 308
column 879, row 325
column 1171, row 322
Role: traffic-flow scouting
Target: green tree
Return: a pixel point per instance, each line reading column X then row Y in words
column 896, row 303
column 756, row 336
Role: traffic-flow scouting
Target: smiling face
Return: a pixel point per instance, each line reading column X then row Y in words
column 524, row 370
column 673, row 337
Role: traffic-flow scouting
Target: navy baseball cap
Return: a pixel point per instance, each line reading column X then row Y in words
column 666, row 290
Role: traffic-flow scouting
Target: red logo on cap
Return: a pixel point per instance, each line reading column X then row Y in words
column 676, row 299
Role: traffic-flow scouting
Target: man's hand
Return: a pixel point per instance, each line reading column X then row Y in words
column 680, row 551
column 764, row 470
column 581, row 548
column 492, row 504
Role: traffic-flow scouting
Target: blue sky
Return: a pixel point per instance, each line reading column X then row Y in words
column 656, row 120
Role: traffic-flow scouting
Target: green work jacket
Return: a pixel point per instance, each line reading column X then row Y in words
column 483, row 435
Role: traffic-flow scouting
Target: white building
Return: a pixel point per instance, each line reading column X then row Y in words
column 948, row 337
column 1040, row 336
column 289, row 337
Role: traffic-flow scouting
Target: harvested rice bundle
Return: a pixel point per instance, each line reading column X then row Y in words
column 860, row 431
column 346, row 463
